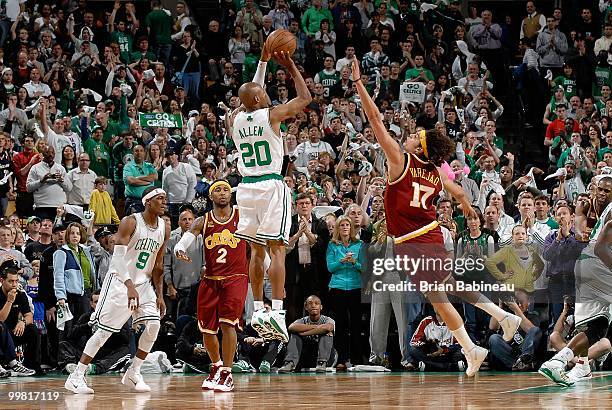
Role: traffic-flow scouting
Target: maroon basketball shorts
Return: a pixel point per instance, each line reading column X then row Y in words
column 221, row 301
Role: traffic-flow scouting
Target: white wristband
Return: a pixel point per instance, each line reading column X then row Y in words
column 260, row 74
column 185, row 242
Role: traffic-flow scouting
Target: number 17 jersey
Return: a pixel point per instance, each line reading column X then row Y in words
column 409, row 201
column 260, row 148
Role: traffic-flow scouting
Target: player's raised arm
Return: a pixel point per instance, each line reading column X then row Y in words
column 158, row 274
column 391, row 148
column 303, row 98
column 127, row 226
column 180, row 249
column 457, row 192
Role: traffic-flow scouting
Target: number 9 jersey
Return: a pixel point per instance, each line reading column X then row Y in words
column 260, row 148
column 409, row 202
column 224, row 253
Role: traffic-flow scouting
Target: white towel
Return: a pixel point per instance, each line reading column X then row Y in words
column 63, row 315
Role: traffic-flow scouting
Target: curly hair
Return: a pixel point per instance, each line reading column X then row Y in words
column 440, row 148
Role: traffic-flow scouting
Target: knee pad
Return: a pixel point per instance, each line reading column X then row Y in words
column 149, row 335
column 96, row 341
column 596, row 330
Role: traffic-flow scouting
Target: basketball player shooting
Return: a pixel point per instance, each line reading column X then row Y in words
column 264, row 200
column 138, row 259
column 223, row 287
column 414, row 183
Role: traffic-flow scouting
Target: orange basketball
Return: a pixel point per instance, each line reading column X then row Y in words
column 281, row 40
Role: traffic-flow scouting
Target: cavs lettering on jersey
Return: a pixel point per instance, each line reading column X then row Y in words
column 409, row 200
column 261, row 149
column 142, row 249
column 225, row 254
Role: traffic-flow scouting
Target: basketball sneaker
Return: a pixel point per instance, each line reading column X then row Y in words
column 213, row 377
column 226, row 382
column 76, row 383
column 260, row 322
column 554, row 370
column 135, row 381
column 580, row 372
column 277, row 320
column 264, row 367
column 510, row 325
column 474, row 359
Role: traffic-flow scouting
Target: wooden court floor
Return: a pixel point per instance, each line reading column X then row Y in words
column 362, row 390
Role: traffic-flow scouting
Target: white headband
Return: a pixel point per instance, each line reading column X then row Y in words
column 155, row 192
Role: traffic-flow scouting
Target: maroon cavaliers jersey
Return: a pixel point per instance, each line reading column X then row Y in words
column 225, row 255
column 409, row 200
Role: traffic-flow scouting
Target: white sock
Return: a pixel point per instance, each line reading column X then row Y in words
column 258, row 305
column 565, row 355
column 81, row 368
column 277, row 304
column 464, row 340
column 219, row 363
column 484, row 303
column 137, row 364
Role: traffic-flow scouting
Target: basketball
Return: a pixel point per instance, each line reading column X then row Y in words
column 281, row 40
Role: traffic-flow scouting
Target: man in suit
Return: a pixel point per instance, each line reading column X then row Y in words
column 306, row 267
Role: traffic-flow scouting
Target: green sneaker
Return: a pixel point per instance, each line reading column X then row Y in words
column 241, row 367
column 91, row 369
column 264, row 367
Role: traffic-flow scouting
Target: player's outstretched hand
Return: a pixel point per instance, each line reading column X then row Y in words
column 182, row 256
column 356, row 72
column 283, row 58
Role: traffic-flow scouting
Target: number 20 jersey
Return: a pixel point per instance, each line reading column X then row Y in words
column 225, row 254
column 409, row 202
column 260, row 148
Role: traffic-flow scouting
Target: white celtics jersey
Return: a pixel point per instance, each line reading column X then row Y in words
column 142, row 249
column 261, row 149
column 605, row 216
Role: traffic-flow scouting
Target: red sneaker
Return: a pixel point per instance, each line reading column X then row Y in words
column 213, row 377
column 226, row 382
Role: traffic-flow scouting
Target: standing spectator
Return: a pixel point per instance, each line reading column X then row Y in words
column 100, row 203
column 533, row 23
column 310, row 336
column 344, row 261
column 311, row 19
column 179, row 181
column 34, row 249
column 374, row 59
column 159, row 26
column 487, row 36
column 309, row 150
column 138, row 175
column 250, row 19
column 238, row 47
column 519, row 354
column 281, row 15
column 35, row 87
column 328, row 37
column 22, row 163
column 98, row 152
column 74, row 273
column 180, row 276
column 46, row 181
column 604, row 42
column 80, row 183
column 328, row 76
column 14, row 302
column 12, row 119
column 161, row 84
column 552, row 46
column 192, row 72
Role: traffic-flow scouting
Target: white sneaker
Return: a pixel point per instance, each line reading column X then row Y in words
column 510, row 325
column 554, row 370
column 277, row 320
column 580, row 372
column 213, row 378
column 76, row 383
column 474, row 359
column 259, row 323
column 135, row 381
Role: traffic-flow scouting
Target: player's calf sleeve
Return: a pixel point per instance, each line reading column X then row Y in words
column 96, row 341
column 148, row 336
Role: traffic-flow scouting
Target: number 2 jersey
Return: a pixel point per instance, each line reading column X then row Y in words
column 224, row 253
column 409, row 202
column 261, row 149
column 142, row 249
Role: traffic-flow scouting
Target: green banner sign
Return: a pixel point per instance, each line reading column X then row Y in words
column 160, row 119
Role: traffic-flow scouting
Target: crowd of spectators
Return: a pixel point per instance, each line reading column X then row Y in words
column 99, row 103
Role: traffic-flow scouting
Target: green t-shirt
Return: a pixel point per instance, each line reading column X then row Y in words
column 139, row 55
column 602, row 77
column 99, row 156
column 134, row 170
column 416, row 71
column 112, row 129
column 125, row 42
column 160, row 24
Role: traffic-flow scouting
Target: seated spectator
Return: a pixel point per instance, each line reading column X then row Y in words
column 311, row 340
column 189, row 348
column 519, row 353
column 17, row 318
column 434, row 348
